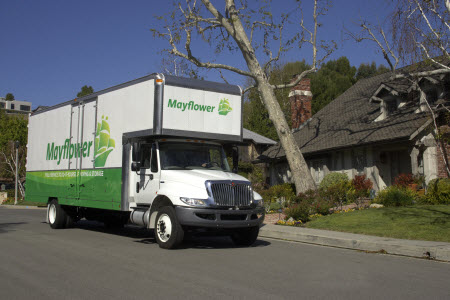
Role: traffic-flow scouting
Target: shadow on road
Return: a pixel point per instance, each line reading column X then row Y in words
column 5, row 227
column 192, row 241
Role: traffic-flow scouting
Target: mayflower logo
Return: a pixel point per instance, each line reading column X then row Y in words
column 103, row 144
column 224, row 107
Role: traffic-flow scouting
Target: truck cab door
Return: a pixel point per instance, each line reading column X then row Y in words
column 148, row 177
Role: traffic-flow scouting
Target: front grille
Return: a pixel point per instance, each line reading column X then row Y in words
column 231, row 193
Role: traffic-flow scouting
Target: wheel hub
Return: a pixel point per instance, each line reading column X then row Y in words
column 164, row 227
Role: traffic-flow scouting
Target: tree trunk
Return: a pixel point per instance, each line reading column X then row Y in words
column 301, row 175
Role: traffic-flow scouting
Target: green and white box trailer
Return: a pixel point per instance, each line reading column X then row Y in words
column 150, row 152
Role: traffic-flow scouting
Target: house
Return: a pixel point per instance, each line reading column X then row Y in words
column 15, row 106
column 254, row 145
column 379, row 127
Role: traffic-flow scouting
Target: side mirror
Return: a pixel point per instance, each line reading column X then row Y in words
column 235, row 159
column 136, row 153
column 135, row 166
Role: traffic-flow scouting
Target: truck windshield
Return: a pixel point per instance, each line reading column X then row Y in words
column 189, row 156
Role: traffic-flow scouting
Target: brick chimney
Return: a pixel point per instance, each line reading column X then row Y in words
column 300, row 98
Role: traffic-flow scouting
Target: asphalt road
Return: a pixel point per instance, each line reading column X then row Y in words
column 88, row 262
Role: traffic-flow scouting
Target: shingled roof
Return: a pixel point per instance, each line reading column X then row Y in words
column 348, row 121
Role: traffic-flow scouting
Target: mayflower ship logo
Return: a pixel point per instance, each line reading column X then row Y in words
column 103, row 144
column 224, row 107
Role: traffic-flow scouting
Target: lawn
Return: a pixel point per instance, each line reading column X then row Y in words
column 420, row 222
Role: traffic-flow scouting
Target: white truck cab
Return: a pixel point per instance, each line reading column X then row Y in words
column 150, row 151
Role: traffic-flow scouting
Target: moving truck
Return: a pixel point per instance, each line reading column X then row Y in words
column 152, row 152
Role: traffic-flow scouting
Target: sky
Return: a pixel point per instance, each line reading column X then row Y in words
column 50, row 49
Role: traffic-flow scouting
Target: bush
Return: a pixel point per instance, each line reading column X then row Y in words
column 299, row 211
column 333, row 179
column 274, row 206
column 362, row 185
column 318, row 204
column 275, row 192
column 438, row 191
column 334, row 188
column 396, row 196
column 403, row 180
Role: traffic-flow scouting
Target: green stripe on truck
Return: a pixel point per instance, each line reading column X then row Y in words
column 96, row 188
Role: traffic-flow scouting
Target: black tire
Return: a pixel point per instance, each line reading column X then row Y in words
column 245, row 237
column 172, row 239
column 57, row 217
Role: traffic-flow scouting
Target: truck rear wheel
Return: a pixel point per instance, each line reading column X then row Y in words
column 57, row 217
column 245, row 237
column 168, row 231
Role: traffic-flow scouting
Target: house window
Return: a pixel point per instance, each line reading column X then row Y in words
column 391, row 106
column 431, row 95
column 25, row 108
column 2, row 105
column 359, row 161
column 12, row 106
column 318, row 172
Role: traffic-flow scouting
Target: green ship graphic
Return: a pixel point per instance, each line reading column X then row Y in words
column 103, row 144
column 224, row 107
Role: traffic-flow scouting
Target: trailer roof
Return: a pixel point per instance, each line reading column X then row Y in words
column 169, row 80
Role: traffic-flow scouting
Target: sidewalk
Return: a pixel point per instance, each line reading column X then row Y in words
column 423, row 249
column 22, row 206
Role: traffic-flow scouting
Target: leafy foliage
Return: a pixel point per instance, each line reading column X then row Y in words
column 438, row 191
column 12, row 128
column 362, row 185
column 332, row 79
column 85, row 90
column 9, row 97
column 366, row 70
column 299, row 211
column 285, row 190
column 256, row 116
column 332, row 179
column 396, row 196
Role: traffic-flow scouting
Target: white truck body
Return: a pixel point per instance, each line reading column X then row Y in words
column 92, row 155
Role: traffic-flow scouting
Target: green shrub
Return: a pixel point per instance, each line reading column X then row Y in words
column 438, row 191
column 299, row 211
column 274, row 206
column 317, row 202
column 275, row 192
column 333, row 179
column 396, row 196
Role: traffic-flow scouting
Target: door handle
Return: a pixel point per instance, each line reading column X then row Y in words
column 82, row 185
column 151, row 176
column 72, row 185
column 137, row 187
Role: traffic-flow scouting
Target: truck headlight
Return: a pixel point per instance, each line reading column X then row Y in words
column 193, row 202
column 259, row 203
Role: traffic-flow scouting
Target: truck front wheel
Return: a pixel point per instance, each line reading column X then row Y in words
column 57, row 217
column 168, row 231
column 245, row 237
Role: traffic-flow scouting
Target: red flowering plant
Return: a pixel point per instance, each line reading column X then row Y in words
column 404, row 180
column 360, row 189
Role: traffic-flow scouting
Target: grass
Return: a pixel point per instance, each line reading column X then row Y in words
column 419, row 222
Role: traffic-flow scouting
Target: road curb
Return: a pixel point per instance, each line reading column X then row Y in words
column 422, row 249
column 21, row 207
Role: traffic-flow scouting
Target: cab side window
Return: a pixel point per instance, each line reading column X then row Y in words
column 154, row 159
column 145, row 156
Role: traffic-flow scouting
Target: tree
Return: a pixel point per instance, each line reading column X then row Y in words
column 177, row 66
column 256, row 116
column 13, row 128
column 85, row 90
column 9, row 97
column 332, row 79
column 420, row 36
column 369, row 70
column 250, row 33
